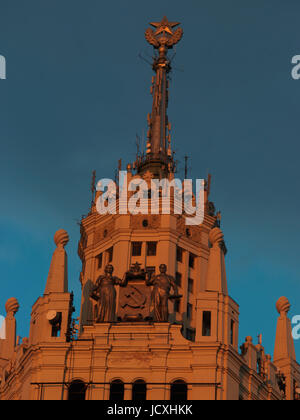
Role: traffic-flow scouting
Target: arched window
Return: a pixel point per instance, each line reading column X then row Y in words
column 77, row 391
column 139, row 391
column 116, row 391
column 178, row 391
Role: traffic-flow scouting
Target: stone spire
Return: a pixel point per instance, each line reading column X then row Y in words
column 57, row 281
column 284, row 344
column 159, row 137
column 216, row 273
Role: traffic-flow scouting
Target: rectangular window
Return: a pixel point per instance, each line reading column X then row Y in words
column 189, row 310
column 177, row 305
column 99, row 260
column 179, row 254
column 110, row 253
column 151, row 249
column 56, row 325
column 192, row 258
column 232, row 332
column 206, row 324
column 191, row 286
column 178, row 279
column 136, row 249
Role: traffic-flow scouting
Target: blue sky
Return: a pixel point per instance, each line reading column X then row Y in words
column 76, row 94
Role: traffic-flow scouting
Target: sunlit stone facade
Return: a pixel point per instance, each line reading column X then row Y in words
column 194, row 353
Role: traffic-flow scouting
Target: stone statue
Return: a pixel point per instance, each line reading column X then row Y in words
column 105, row 294
column 161, row 293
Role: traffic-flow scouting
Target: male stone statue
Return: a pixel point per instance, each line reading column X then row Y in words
column 161, row 293
column 105, row 294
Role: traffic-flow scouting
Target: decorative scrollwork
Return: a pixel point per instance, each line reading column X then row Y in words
column 177, row 35
column 149, row 35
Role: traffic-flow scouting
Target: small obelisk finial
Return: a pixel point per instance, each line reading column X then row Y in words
column 9, row 329
column 284, row 344
column 57, row 281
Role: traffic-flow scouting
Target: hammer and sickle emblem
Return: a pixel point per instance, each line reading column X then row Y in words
column 135, row 299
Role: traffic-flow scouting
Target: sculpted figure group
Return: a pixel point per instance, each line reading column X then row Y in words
column 105, row 295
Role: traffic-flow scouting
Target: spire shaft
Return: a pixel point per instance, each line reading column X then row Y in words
column 159, row 120
column 159, row 139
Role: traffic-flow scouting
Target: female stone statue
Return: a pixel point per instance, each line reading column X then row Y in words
column 105, row 294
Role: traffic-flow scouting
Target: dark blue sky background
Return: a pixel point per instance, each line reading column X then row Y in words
column 77, row 94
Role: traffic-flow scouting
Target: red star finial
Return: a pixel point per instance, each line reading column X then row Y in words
column 164, row 26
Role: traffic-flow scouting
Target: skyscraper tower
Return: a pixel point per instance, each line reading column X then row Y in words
column 156, row 318
column 151, row 239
